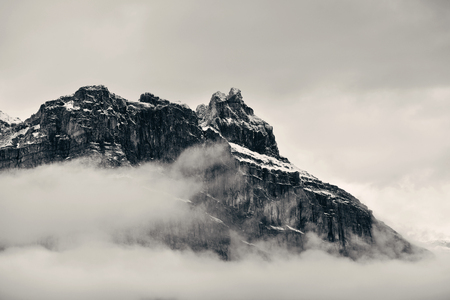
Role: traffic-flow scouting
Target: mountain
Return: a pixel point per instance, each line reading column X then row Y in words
column 251, row 194
column 6, row 121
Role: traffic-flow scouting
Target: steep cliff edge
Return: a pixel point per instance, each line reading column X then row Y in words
column 237, row 123
column 268, row 198
column 94, row 121
column 251, row 192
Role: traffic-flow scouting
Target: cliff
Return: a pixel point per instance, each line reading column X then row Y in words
column 251, row 194
column 96, row 122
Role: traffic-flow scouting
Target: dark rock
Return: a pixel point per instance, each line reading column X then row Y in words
column 237, row 123
column 250, row 192
column 94, row 121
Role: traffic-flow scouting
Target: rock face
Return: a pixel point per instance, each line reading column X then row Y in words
column 251, row 193
column 237, row 123
column 95, row 121
column 6, row 121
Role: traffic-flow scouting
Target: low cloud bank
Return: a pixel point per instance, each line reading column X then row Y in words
column 59, row 227
column 418, row 212
column 101, row 270
column 60, row 200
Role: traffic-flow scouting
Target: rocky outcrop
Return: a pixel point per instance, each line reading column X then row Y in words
column 251, row 193
column 6, row 122
column 237, row 123
column 95, row 122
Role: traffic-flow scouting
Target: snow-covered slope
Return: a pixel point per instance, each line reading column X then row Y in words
column 7, row 119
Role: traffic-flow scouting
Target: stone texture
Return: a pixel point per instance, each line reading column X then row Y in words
column 237, row 123
column 96, row 122
column 250, row 194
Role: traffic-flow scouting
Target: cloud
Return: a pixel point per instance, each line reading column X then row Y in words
column 103, row 270
column 272, row 49
column 58, row 200
column 378, row 138
column 64, row 231
column 380, row 130
column 418, row 212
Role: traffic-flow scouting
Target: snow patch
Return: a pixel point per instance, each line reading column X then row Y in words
column 277, row 228
column 7, row 119
column 321, row 192
column 265, row 161
column 8, row 140
column 69, row 105
column 217, row 220
column 247, row 243
column 293, row 229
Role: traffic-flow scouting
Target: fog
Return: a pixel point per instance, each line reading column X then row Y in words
column 99, row 270
column 72, row 199
column 59, row 225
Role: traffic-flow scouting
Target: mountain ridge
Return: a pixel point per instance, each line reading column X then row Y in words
column 252, row 190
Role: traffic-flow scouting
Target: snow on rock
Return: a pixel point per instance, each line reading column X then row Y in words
column 277, row 228
column 237, row 123
column 256, row 195
column 9, row 120
column 320, row 191
column 293, row 229
column 217, row 220
column 266, row 161
column 281, row 228
column 249, row 244
column 234, row 91
column 7, row 139
column 219, row 96
column 70, row 105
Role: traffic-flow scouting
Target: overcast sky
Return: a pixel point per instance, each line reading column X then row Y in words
column 357, row 91
column 358, row 94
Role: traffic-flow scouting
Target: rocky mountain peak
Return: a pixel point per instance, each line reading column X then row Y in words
column 231, row 106
column 234, row 92
column 152, row 99
column 237, row 123
column 218, row 97
column 92, row 91
column 248, row 189
column 5, row 119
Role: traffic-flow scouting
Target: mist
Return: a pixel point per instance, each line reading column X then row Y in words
column 102, row 270
column 59, row 229
column 73, row 199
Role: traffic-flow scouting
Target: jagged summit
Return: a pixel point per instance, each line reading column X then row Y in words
column 152, row 99
column 249, row 191
column 236, row 122
column 231, row 106
column 92, row 91
column 6, row 120
column 95, row 122
column 99, row 87
column 234, row 91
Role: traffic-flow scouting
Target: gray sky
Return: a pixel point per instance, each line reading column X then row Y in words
column 357, row 91
column 358, row 94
